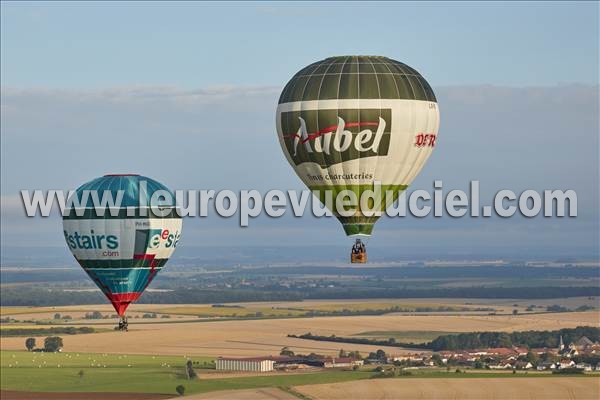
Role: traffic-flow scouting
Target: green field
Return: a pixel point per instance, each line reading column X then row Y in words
column 129, row 373
column 59, row 372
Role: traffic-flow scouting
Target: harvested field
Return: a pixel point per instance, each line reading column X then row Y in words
column 268, row 336
column 547, row 388
column 246, row 394
column 279, row 308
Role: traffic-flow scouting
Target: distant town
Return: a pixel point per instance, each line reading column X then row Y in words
column 569, row 358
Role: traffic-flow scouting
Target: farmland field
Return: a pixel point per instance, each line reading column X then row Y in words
column 214, row 337
column 150, row 358
column 460, row 388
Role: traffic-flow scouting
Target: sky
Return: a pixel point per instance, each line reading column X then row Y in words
column 186, row 93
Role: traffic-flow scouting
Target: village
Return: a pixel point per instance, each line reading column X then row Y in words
column 577, row 357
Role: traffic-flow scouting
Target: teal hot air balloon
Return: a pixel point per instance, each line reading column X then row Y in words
column 122, row 251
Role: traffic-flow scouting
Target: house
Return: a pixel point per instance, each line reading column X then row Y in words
column 405, row 357
column 546, row 365
column 341, row 362
column 593, row 349
column 497, row 351
column 543, row 350
column 392, row 358
column 502, row 365
column 521, row 351
column 568, row 351
column 523, row 365
column 566, row 364
column 583, row 343
column 584, row 366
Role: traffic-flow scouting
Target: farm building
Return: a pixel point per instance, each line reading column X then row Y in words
column 256, row 364
column 341, row 362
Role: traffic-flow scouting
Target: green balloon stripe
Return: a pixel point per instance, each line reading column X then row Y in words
column 359, row 224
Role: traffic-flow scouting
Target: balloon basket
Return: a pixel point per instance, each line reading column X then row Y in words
column 123, row 324
column 358, row 258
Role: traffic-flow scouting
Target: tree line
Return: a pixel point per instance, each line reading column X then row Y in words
column 529, row 339
column 61, row 330
column 476, row 340
column 51, row 344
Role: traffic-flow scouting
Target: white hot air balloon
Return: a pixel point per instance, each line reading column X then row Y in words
column 352, row 124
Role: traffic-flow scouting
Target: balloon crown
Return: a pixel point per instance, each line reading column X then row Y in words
column 122, row 175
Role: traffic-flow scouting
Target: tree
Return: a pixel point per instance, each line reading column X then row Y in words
column 189, row 370
column 515, row 311
column 342, row 353
column 57, row 316
column 380, row 354
column 286, row 352
column 30, row 343
column 355, row 354
column 94, row 315
column 80, row 373
column 532, row 358
column 53, row 343
column 180, row 389
column 437, row 359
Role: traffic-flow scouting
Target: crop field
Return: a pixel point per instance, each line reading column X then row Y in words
column 279, row 309
column 241, row 310
column 195, row 336
column 229, row 311
column 525, row 388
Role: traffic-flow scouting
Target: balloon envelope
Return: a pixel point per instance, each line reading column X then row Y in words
column 346, row 123
column 123, row 250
